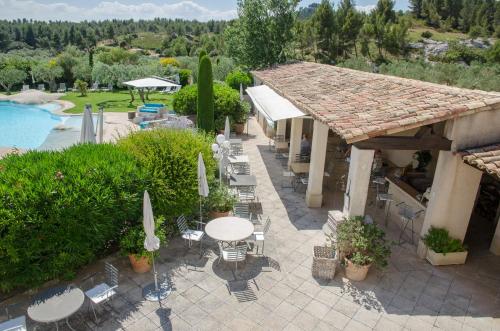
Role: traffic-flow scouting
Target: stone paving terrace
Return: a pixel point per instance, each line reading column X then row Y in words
column 277, row 292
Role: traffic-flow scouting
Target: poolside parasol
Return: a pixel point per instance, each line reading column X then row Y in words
column 87, row 134
column 202, row 181
column 153, row 291
column 100, row 126
column 227, row 129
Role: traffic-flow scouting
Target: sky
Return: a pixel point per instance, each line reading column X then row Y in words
column 78, row 10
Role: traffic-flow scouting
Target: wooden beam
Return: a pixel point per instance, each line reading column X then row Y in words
column 427, row 142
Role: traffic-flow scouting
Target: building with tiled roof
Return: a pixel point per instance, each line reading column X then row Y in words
column 358, row 105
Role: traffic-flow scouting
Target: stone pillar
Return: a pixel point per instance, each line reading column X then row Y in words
column 358, row 181
column 295, row 138
column 452, row 197
column 281, row 128
column 314, row 193
column 495, row 243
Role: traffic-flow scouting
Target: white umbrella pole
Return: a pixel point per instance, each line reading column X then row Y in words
column 201, row 215
column 154, row 271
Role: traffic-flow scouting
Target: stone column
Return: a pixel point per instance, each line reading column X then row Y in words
column 281, row 128
column 295, row 138
column 314, row 193
column 452, row 197
column 358, row 181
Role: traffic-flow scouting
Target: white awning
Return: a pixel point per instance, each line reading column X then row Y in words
column 272, row 105
column 149, row 83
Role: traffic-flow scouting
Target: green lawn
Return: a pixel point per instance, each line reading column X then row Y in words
column 112, row 101
column 148, row 40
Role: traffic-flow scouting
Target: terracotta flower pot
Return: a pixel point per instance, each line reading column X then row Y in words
column 239, row 128
column 139, row 264
column 356, row 272
column 217, row 214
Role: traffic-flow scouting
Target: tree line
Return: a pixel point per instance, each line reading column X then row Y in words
column 56, row 35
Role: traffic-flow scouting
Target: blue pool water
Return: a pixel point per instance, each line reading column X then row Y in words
column 26, row 126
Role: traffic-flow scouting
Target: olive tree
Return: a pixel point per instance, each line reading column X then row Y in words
column 11, row 76
column 48, row 73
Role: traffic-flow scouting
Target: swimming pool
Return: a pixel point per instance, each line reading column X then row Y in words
column 26, row 126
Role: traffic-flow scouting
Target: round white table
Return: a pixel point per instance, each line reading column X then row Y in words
column 61, row 304
column 229, row 229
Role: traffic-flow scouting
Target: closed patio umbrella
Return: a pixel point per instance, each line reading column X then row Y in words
column 202, row 181
column 100, row 126
column 87, row 134
column 153, row 291
column 227, row 129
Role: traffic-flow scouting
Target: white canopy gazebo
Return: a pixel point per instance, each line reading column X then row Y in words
column 149, row 83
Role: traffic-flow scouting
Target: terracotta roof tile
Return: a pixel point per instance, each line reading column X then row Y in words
column 485, row 158
column 358, row 105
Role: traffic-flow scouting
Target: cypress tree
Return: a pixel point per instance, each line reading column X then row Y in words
column 201, row 55
column 205, row 109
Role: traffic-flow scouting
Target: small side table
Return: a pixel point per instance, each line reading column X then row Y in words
column 388, row 199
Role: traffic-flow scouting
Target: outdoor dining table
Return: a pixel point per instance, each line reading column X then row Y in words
column 229, row 229
column 238, row 159
column 56, row 304
column 242, row 180
column 235, row 141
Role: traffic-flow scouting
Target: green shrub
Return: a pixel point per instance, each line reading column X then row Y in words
column 439, row 240
column 205, row 105
column 226, row 103
column 362, row 243
column 220, row 199
column 235, row 78
column 170, row 157
column 61, row 210
column 132, row 239
column 82, row 87
column 184, row 75
column 426, row 34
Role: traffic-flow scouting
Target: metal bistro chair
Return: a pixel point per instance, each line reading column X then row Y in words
column 105, row 291
column 408, row 215
column 247, row 193
column 302, row 158
column 232, row 254
column 259, row 236
column 13, row 324
column 241, row 169
column 236, row 149
column 242, row 210
column 189, row 234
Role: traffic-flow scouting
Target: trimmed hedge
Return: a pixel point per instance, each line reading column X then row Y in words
column 237, row 77
column 226, row 103
column 61, row 210
column 171, row 159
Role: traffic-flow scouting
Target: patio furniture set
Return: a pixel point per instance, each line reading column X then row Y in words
column 60, row 303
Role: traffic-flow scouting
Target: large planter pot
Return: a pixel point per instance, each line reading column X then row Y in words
column 217, row 214
column 446, row 259
column 239, row 128
column 139, row 264
column 356, row 272
column 324, row 262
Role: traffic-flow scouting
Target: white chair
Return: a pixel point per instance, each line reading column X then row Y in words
column 259, row 236
column 108, row 89
column 25, row 88
column 62, row 88
column 41, row 87
column 103, row 292
column 94, row 87
column 232, row 254
column 246, row 193
column 189, row 234
column 407, row 215
column 13, row 324
column 242, row 210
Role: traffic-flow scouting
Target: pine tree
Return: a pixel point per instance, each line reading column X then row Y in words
column 324, row 28
column 416, row 7
column 30, row 36
column 205, row 109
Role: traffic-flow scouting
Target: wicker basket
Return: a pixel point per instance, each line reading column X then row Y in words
column 324, row 262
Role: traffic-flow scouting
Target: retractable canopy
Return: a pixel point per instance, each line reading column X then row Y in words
column 149, row 83
column 273, row 106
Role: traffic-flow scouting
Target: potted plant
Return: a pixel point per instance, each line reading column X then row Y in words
column 361, row 244
column 132, row 245
column 240, row 117
column 443, row 249
column 220, row 200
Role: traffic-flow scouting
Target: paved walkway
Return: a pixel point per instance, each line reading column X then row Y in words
column 277, row 291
